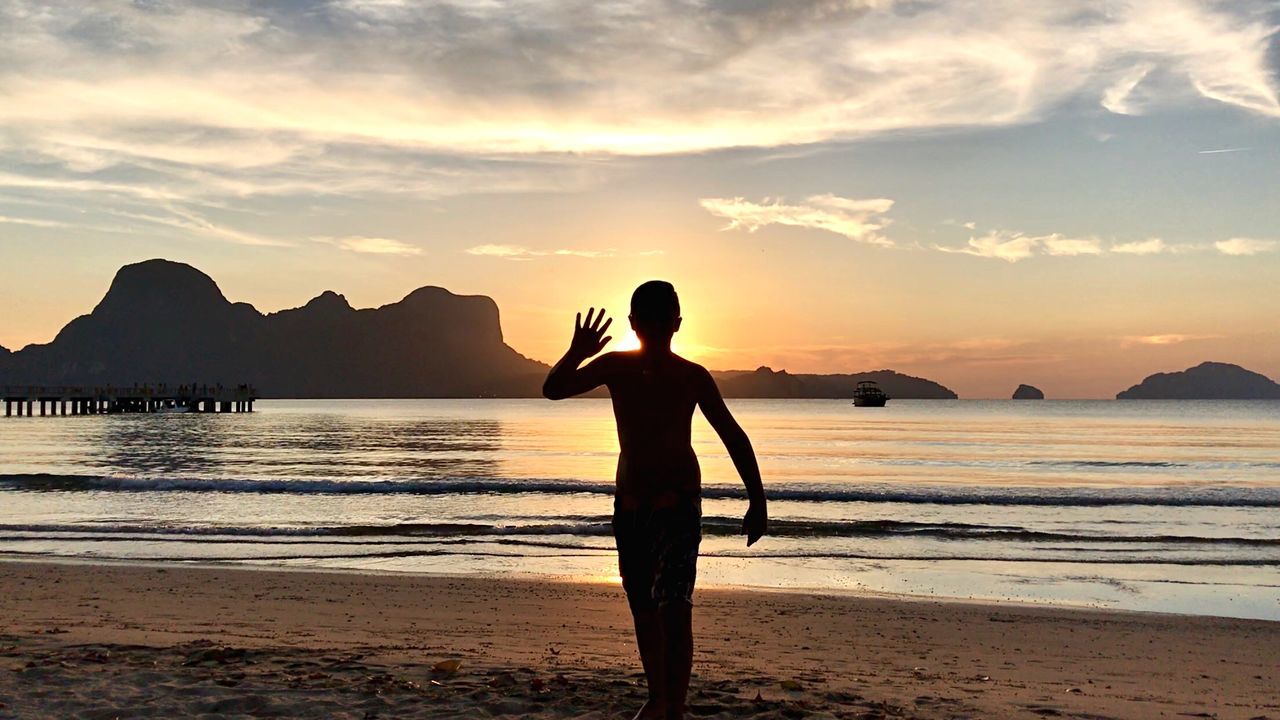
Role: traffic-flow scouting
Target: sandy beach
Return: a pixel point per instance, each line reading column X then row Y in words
column 107, row 641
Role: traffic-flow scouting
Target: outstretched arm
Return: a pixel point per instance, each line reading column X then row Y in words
column 756, row 522
column 566, row 379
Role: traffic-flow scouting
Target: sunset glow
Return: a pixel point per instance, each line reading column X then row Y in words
column 982, row 194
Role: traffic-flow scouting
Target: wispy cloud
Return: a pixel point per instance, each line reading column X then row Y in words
column 34, row 222
column 1001, row 245
column 1067, row 246
column 1116, row 98
column 1015, row 246
column 520, row 252
column 186, row 102
column 1150, row 246
column 1167, row 339
column 860, row 220
column 1246, row 246
column 372, row 245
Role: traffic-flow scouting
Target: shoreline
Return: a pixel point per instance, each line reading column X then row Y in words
column 97, row 635
column 861, row 592
column 815, row 591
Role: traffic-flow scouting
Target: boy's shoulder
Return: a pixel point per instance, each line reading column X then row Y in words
column 633, row 358
column 693, row 367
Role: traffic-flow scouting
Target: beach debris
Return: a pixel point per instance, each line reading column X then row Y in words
column 758, row 698
column 447, row 667
column 791, row 685
column 537, row 685
column 502, row 680
column 220, row 655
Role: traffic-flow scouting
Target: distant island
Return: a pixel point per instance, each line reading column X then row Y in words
column 1028, row 392
column 167, row 322
column 1206, row 381
column 764, row 382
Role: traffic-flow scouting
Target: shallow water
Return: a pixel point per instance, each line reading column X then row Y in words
column 1165, row 505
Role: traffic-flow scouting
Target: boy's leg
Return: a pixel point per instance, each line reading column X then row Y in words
column 650, row 640
column 677, row 634
column 636, row 566
column 677, row 572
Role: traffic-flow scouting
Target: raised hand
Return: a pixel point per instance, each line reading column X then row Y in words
column 589, row 337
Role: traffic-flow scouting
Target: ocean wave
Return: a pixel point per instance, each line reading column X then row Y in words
column 569, row 550
column 594, row 526
column 1164, row 496
column 1113, row 463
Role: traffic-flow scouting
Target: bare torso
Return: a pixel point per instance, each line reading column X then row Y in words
column 653, row 401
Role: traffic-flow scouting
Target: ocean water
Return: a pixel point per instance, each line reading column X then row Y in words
column 1166, row 505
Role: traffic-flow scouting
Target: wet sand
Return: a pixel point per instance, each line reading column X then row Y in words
column 106, row 641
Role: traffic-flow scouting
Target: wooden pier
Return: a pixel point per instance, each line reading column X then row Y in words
column 22, row 400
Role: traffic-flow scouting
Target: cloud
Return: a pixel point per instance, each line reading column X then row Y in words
column 89, row 81
column 1246, row 246
column 860, row 220
column 176, row 216
column 1058, row 245
column 373, row 245
column 196, row 103
column 520, row 252
column 1001, row 245
column 1169, row 339
column 34, row 222
column 509, row 252
column 1015, row 246
column 1151, row 246
column 1116, row 97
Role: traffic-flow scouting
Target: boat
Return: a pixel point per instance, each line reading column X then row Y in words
column 869, row 394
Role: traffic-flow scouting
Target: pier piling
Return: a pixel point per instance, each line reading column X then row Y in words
column 20, row 400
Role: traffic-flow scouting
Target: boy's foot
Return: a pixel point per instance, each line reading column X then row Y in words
column 651, row 710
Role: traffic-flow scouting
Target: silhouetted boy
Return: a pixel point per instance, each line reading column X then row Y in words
column 657, row 505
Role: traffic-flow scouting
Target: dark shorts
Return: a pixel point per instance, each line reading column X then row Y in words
column 658, row 553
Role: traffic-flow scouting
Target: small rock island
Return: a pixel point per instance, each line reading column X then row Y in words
column 1028, row 392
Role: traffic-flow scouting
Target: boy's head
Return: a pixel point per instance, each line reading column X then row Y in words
column 655, row 311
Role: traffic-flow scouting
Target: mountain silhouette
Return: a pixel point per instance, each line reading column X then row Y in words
column 1206, row 381
column 764, row 382
column 1028, row 392
column 167, row 322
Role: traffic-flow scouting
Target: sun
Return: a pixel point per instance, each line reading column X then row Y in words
column 628, row 342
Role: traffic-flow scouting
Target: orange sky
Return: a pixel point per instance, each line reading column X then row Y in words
column 984, row 194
